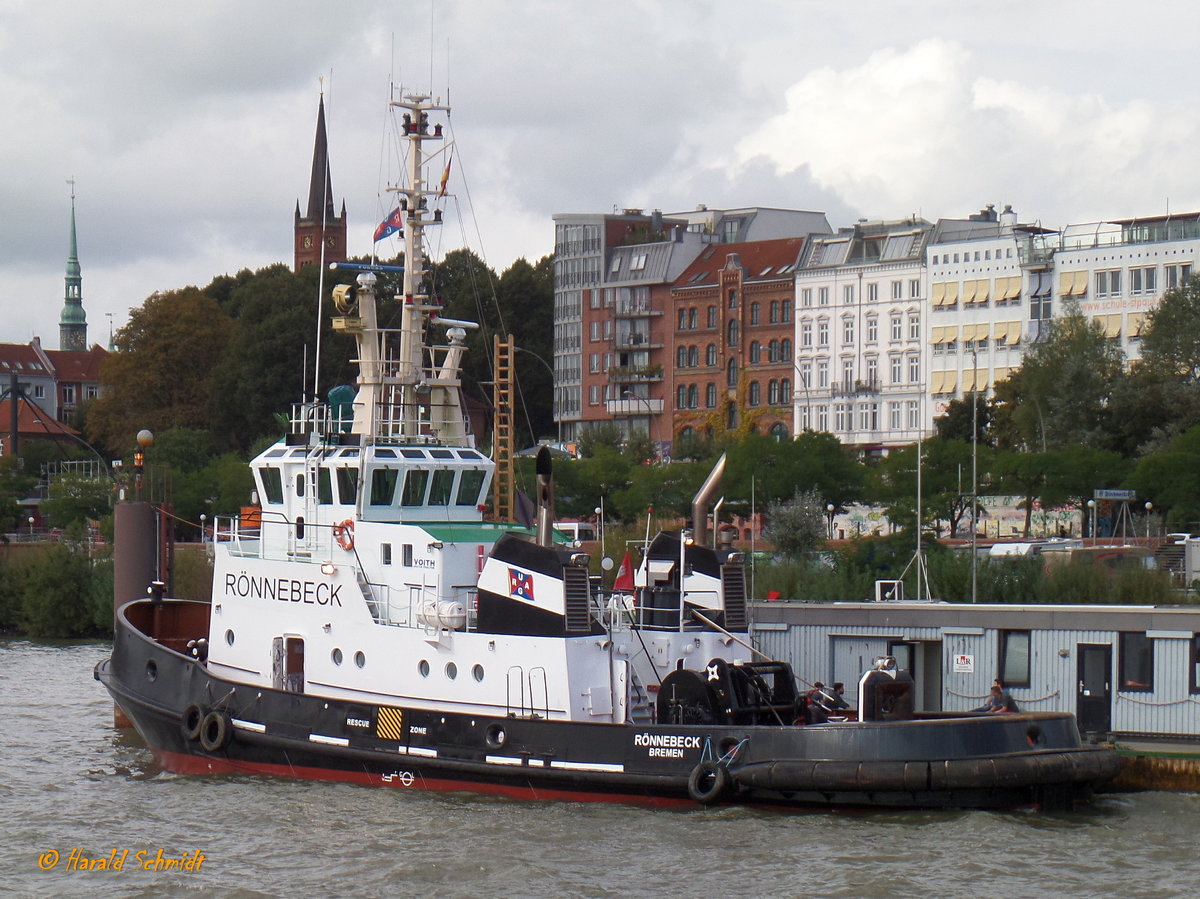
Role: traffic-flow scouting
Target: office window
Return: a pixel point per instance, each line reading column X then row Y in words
column 848, row 294
column 710, row 396
column 806, row 296
column 823, row 296
column 805, row 333
column 773, row 312
column 822, row 376
column 785, row 349
column 712, row 316
column 754, row 392
column 1108, row 283
column 897, row 369
column 914, row 413
column 914, row 326
column 872, row 329
column 731, row 373
column 822, row 333
column 897, row 290
column 682, row 319
column 710, row 355
column 1137, row 662
column 692, row 319
column 897, row 328
column 693, row 356
column 848, row 330
column 773, row 392
column 914, row 369
column 755, row 352
column 681, row 357
column 1014, row 658
column 732, row 336
column 785, row 311
column 914, row 288
column 773, row 351
column 872, row 292
column 754, row 313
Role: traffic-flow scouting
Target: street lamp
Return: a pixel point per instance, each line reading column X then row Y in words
column 31, row 528
column 553, row 411
column 1149, row 506
column 829, row 510
column 1091, row 504
column 630, row 395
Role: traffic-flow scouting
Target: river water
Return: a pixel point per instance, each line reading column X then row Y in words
column 70, row 784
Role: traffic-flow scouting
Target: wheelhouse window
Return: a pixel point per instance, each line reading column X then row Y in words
column 272, row 484
column 1014, row 658
column 347, row 485
column 1137, row 662
column 383, row 486
column 469, row 486
column 324, row 487
column 413, row 491
column 442, row 487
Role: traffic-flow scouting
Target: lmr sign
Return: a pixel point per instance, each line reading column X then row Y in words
column 1126, row 495
column 964, row 664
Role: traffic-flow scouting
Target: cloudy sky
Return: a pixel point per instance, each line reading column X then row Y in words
column 188, row 128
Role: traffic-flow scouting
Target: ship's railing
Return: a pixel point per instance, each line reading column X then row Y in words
column 272, row 536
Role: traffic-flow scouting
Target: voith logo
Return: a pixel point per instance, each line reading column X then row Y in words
column 520, row 584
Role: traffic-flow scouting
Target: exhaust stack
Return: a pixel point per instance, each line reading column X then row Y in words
column 545, row 498
column 703, row 497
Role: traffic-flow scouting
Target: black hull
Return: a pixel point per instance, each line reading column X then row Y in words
column 195, row 722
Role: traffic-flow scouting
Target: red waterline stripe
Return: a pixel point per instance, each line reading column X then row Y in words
column 179, row 763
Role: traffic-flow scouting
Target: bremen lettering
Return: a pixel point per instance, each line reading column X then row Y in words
column 283, row 589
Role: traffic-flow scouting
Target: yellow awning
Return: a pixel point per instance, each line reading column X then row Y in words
column 950, row 381
column 1135, row 323
column 999, row 331
column 983, row 331
column 1014, row 333
column 984, row 291
column 951, row 293
column 935, row 335
column 939, row 293
column 1012, row 287
column 968, row 384
column 1112, row 327
column 1066, row 282
column 1081, row 284
column 935, row 381
column 951, row 333
column 1000, row 374
column 968, row 294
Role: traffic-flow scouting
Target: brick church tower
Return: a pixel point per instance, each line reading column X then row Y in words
column 320, row 235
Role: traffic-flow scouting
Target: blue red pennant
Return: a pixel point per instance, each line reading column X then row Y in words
column 390, row 225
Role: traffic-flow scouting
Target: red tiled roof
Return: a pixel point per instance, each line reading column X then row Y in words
column 32, row 422
column 762, row 260
column 21, row 358
column 78, row 365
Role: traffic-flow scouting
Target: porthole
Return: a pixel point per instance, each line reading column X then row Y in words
column 336, row 655
column 423, row 668
column 360, row 660
column 477, row 673
column 229, row 637
column 151, row 670
column 451, row 670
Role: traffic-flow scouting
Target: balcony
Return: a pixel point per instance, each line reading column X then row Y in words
column 633, row 340
column 635, row 374
column 630, row 406
column 852, row 387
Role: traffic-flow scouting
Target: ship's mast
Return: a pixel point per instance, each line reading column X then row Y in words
column 406, row 392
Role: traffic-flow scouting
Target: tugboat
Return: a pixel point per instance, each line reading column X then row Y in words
column 369, row 625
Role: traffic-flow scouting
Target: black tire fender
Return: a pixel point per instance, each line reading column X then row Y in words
column 708, row 782
column 193, row 718
column 215, row 731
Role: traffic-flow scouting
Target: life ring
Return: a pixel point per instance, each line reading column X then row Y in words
column 708, row 782
column 193, row 717
column 343, row 533
column 215, row 731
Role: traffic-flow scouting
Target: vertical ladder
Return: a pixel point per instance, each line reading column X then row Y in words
column 733, row 589
column 504, row 437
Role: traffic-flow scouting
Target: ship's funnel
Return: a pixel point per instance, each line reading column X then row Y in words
column 545, row 498
column 700, row 503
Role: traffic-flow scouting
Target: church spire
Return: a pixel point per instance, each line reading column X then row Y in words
column 320, row 234
column 72, row 324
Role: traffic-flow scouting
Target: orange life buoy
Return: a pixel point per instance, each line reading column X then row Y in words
column 343, row 533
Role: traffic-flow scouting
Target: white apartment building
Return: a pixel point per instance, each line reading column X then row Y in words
column 861, row 335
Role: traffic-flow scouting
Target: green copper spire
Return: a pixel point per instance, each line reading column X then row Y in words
column 72, row 325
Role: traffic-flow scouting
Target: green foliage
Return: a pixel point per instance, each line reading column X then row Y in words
column 797, row 526
column 77, row 499
column 57, row 598
column 15, row 484
column 773, row 471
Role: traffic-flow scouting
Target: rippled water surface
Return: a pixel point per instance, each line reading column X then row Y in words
column 71, row 782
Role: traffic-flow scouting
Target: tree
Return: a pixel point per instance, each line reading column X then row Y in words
column 773, row 471
column 1059, row 396
column 796, row 526
column 1171, row 480
column 77, row 499
column 1171, row 335
column 160, row 376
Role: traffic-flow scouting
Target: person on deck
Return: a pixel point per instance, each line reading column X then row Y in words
column 999, row 702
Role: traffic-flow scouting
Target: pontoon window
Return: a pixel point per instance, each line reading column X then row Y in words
column 383, row 486
column 442, row 487
column 413, row 492
column 469, row 486
column 1014, row 658
column 1137, row 663
column 347, row 484
column 272, row 483
column 324, row 487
